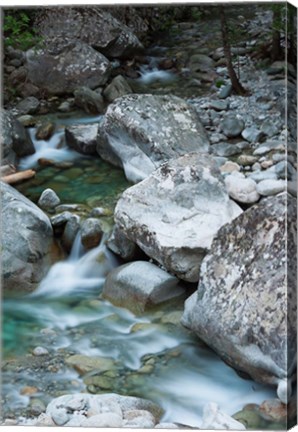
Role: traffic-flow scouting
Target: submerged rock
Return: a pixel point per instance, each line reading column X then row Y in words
column 245, row 305
column 64, row 65
column 174, row 214
column 140, row 132
column 139, row 285
column 27, row 238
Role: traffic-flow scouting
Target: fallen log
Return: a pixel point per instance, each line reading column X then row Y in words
column 18, row 177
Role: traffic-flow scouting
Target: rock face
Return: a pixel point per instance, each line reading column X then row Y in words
column 63, row 65
column 26, row 241
column 245, row 304
column 91, row 25
column 139, row 285
column 82, row 138
column 106, row 410
column 140, row 132
column 174, row 214
column 15, row 140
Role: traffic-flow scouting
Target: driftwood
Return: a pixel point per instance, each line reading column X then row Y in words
column 18, row 177
column 5, row 170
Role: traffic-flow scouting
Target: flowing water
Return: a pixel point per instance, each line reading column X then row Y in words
column 152, row 355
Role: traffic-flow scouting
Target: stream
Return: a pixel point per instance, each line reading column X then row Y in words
column 151, row 356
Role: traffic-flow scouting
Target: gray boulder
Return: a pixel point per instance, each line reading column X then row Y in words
column 140, row 132
column 82, row 138
column 89, row 100
column 93, row 26
column 174, row 214
column 232, row 127
column 63, row 65
column 245, row 305
column 14, row 139
column 139, row 285
column 27, row 238
column 117, row 87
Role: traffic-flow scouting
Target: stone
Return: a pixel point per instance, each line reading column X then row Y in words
column 219, row 105
column 45, row 131
column 14, row 139
column 60, row 219
column 140, row 132
column 225, row 149
column 69, row 406
column 70, row 231
column 243, row 277
column 63, row 65
column 225, row 91
column 165, row 425
column 267, row 146
column 82, row 138
column 85, row 364
column 200, row 63
column 232, row 126
column 27, row 239
column 28, row 105
column 118, row 87
column 242, row 190
column 27, row 120
column 271, row 187
column 229, row 167
column 139, row 419
column 258, row 176
column 104, row 420
column 89, row 100
column 284, row 170
column 174, row 214
column 274, row 409
column 65, row 107
column 246, row 160
column 40, row 351
column 121, row 245
column 253, row 135
column 215, row 419
column 48, row 200
column 93, row 26
column 139, row 285
column 91, row 233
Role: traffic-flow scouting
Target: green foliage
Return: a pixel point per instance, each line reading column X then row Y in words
column 18, row 31
column 219, row 83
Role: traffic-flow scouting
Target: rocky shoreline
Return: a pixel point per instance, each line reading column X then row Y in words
column 211, row 214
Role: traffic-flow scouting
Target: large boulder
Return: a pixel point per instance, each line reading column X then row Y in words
column 140, row 132
column 63, row 65
column 174, row 214
column 93, row 26
column 14, row 138
column 27, row 238
column 139, row 285
column 245, row 305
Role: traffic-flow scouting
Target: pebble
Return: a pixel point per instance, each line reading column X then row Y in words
column 266, row 164
column 219, row 105
column 258, row 176
column 271, row 187
column 242, row 190
column 247, row 160
column 40, row 351
column 252, row 134
column 232, row 126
